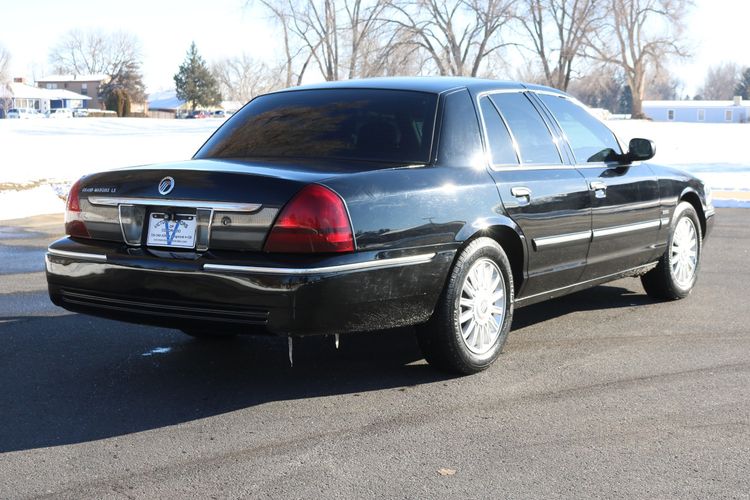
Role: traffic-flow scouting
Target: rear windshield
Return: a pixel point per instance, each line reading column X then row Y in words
column 347, row 124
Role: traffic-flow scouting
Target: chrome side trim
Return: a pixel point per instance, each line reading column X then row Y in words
column 710, row 212
column 167, row 202
column 601, row 278
column 548, row 241
column 77, row 255
column 665, row 221
column 371, row 264
column 629, row 228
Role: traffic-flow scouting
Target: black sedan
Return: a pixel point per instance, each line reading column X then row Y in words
column 371, row 204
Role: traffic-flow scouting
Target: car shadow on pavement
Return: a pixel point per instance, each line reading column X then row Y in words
column 72, row 379
column 592, row 299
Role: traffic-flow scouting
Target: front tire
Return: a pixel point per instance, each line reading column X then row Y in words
column 472, row 319
column 677, row 271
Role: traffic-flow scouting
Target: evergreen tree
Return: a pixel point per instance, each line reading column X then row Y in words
column 743, row 87
column 194, row 81
column 125, row 85
column 626, row 101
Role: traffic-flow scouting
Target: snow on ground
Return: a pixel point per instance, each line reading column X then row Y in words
column 65, row 149
column 40, row 153
column 718, row 153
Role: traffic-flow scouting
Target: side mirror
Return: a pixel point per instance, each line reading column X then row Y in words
column 639, row 150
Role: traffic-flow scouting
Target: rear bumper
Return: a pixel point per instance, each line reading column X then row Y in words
column 353, row 292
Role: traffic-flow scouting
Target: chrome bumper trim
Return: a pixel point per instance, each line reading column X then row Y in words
column 167, row 202
column 372, row 264
column 77, row 255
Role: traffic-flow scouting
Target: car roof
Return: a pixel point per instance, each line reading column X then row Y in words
column 431, row 84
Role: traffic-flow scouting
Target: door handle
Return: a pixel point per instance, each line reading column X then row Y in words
column 599, row 188
column 521, row 192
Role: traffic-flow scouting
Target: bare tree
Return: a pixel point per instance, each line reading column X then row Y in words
column 721, row 81
column 638, row 34
column 393, row 53
column 5, row 94
column 661, row 84
column 4, row 65
column 602, row 88
column 459, row 36
column 557, row 31
column 241, row 78
column 283, row 14
column 339, row 35
column 94, row 52
column 115, row 55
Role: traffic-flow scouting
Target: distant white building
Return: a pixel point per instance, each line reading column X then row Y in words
column 20, row 95
column 735, row 111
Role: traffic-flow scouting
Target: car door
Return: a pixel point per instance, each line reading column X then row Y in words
column 626, row 216
column 546, row 197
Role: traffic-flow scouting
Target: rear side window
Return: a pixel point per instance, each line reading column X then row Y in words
column 502, row 150
column 460, row 143
column 590, row 140
column 531, row 133
column 346, row 124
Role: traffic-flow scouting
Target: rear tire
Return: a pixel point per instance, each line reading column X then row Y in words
column 677, row 271
column 473, row 316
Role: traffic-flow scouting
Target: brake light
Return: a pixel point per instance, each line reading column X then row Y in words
column 315, row 220
column 74, row 225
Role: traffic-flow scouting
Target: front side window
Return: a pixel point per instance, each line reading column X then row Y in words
column 342, row 124
column 589, row 138
column 535, row 142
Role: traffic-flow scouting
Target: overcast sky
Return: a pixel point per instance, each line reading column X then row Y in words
column 223, row 28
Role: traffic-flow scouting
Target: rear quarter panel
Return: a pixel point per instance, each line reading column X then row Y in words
column 417, row 207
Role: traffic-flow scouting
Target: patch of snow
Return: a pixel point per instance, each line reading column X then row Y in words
column 25, row 203
column 68, row 149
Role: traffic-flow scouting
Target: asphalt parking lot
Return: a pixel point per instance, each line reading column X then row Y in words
column 604, row 393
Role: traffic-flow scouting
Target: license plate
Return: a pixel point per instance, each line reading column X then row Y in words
column 179, row 233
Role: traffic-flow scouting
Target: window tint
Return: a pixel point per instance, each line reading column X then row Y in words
column 501, row 145
column 348, row 124
column 460, row 143
column 534, row 139
column 590, row 139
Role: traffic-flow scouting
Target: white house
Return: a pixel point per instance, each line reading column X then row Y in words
column 735, row 111
column 21, row 95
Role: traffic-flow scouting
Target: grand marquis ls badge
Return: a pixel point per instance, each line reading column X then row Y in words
column 166, row 185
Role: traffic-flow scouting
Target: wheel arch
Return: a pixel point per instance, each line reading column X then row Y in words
column 692, row 197
column 508, row 235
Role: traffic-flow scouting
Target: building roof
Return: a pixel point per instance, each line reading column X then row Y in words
column 432, row 84
column 73, row 78
column 165, row 100
column 23, row 91
column 693, row 104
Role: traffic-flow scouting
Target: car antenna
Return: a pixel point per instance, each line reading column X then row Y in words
column 291, row 351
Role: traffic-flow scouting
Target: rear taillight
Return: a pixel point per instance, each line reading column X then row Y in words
column 74, row 225
column 314, row 221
